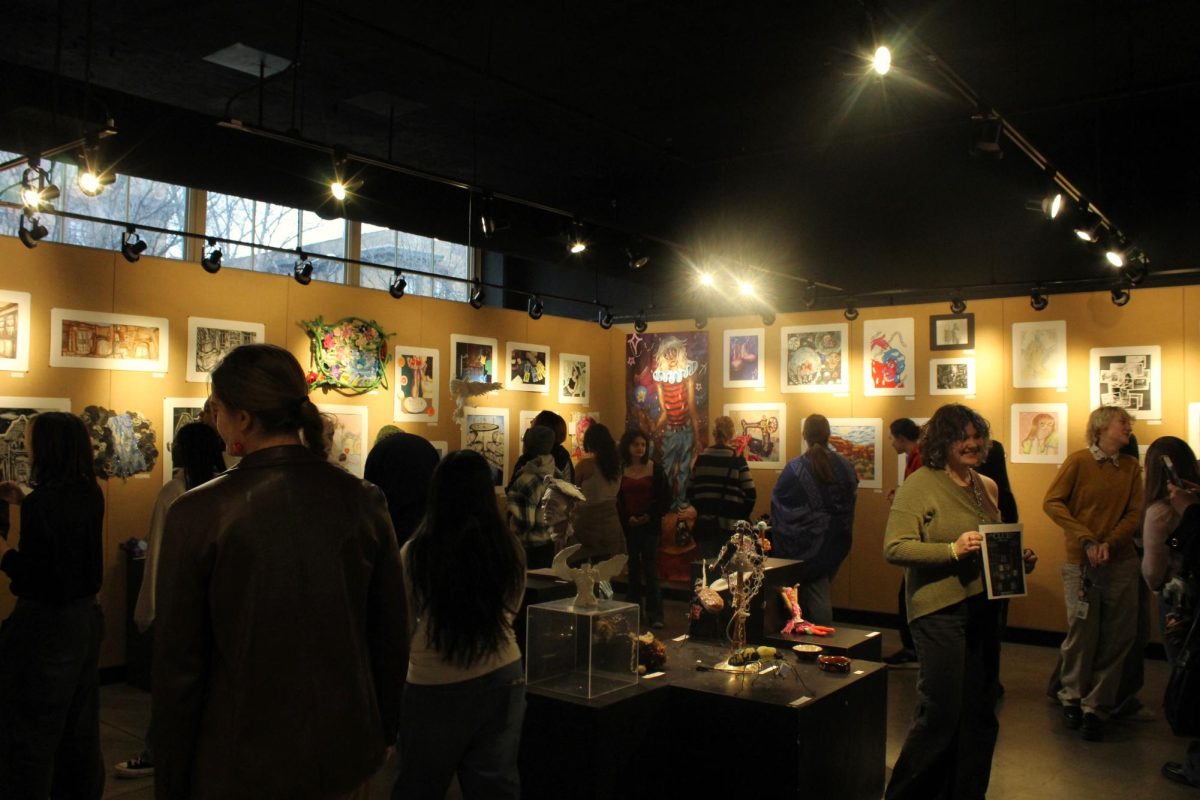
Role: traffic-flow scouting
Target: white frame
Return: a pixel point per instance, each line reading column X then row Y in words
column 877, row 423
column 904, row 327
column 351, row 411
column 564, row 360
column 398, row 398
column 460, row 338
column 823, row 388
column 1193, row 426
column 168, row 429
column 780, row 436
column 1015, row 455
column 969, row 361
column 60, row 315
column 1156, row 371
column 1059, row 364
column 39, row 403
column 753, row 383
column 442, row 447
column 20, row 361
column 520, row 386
column 525, row 421
column 489, row 411
column 195, row 323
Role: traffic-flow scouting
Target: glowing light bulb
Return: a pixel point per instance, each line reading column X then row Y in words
column 882, row 61
column 706, row 279
column 338, row 190
column 89, row 183
column 578, row 246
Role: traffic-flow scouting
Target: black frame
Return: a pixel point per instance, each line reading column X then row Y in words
column 967, row 345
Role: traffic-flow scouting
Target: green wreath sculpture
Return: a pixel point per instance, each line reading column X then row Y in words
column 349, row 356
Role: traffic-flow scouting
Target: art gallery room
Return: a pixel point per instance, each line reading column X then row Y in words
column 719, row 224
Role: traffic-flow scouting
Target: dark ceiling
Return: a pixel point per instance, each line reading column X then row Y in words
column 720, row 134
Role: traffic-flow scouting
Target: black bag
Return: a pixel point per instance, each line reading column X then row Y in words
column 1182, row 701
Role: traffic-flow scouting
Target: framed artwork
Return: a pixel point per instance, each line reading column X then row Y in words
column 485, row 430
column 952, row 375
column 124, row 443
column 349, row 356
column 210, row 339
column 901, row 459
column 759, row 433
column 577, row 426
column 442, row 448
column 574, row 379
column 1039, row 433
column 15, row 308
column 888, row 357
column 15, row 413
column 743, row 353
column 525, row 422
column 860, row 440
column 1193, row 429
column 348, row 442
column 1003, row 561
column 417, row 384
column 98, row 340
column 1039, row 352
column 177, row 412
column 528, row 367
column 952, row 332
column 473, row 358
column 815, row 358
column 1128, row 377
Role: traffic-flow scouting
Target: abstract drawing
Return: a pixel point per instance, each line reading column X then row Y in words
column 815, row 358
column 888, row 357
column 123, row 444
column 97, row 340
column 759, row 433
column 1039, row 351
column 15, row 413
column 1128, row 377
column 474, row 358
column 485, row 430
column 528, row 368
column 952, row 375
column 417, row 384
column 743, row 356
column 177, row 412
column 1039, row 433
column 574, row 378
column 209, row 340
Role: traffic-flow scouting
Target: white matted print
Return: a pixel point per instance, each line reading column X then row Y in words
column 528, row 367
column 442, row 448
column 574, row 379
column 1193, row 429
column 815, row 358
column 952, row 375
column 348, row 448
column 860, row 440
column 743, row 353
column 177, row 412
column 15, row 308
column 525, row 422
column 759, row 433
column 210, row 339
column 1129, row 378
column 888, row 357
column 417, row 382
column 98, row 340
column 473, row 358
column 1039, row 433
column 485, row 430
column 1039, row 354
column 15, row 413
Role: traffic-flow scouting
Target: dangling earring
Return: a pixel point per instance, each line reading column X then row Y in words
column 237, row 448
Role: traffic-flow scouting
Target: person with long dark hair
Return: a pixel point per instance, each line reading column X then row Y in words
column 596, row 522
column 642, row 501
column 280, row 646
column 464, row 700
column 401, row 465
column 50, row 644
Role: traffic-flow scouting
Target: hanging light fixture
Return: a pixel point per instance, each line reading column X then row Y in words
column 398, row 285
column 303, row 270
column 1120, row 295
column 604, row 317
column 639, row 322
column 809, row 294
column 92, row 180
column 576, row 243
column 768, row 318
column 1090, row 224
column 1037, row 299
column 33, row 234
column 851, row 313
column 342, row 185
column 638, row 257
column 211, row 261
column 881, row 60
column 987, row 139
column 535, row 307
column 701, row 321
column 477, row 296
column 132, row 245
column 957, row 305
column 37, row 190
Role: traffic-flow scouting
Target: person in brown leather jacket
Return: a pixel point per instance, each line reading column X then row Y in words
column 281, row 646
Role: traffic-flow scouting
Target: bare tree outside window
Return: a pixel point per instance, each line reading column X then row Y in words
column 246, row 220
column 407, row 251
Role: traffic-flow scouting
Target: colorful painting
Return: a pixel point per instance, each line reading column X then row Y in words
column 743, row 353
column 1039, row 433
column 952, row 375
column 528, row 368
column 14, row 331
column 759, row 433
column 1039, row 354
column 15, row 413
column 485, row 430
column 952, row 332
column 349, row 356
column 474, row 358
column 815, row 358
column 860, row 440
column 577, row 427
column 177, row 412
column 888, row 357
column 574, row 379
column 417, row 384
column 124, row 444
column 209, row 340
column 97, row 340
column 1129, row 378
column 346, row 427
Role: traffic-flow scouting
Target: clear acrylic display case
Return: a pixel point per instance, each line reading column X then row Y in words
column 581, row 651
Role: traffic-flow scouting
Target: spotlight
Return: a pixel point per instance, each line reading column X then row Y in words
column 535, row 307
column 341, row 186
column 637, row 258
column 303, row 270
column 487, row 220
column 851, row 313
column 639, row 322
column 957, row 305
column 1051, row 205
column 987, row 141
column 745, row 288
column 809, row 295
column 37, row 190
column 1134, row 271
column 1120, row 295
column 477, row 297
column 1037, row 299
column 32, row 235
column 604, row 317
column 212, row 260
column 398, row 285
column 132, row 245
column 1088, row 230
column 706, row 279
column 1116, row 251
column 576, row 244
column 701, row 321
column 768, row 318
column 338, row 190
column 881, row 62
column 91, row 180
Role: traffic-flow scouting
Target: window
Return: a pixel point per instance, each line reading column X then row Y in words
column 407, row 251
column 245, row 220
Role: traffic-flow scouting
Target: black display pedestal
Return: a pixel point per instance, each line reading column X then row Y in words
column 138, row 646
column 847, row 640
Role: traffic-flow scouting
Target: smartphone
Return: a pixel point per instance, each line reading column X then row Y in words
column 1174, row 476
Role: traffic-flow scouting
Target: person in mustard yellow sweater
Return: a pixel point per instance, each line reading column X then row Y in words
column 1096, row 499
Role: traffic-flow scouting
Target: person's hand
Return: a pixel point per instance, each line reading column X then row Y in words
column 891, row 495
column 1030, row 559
column 968, row 543
column 1097, row 553
column 1182, row 497
column 10, row 492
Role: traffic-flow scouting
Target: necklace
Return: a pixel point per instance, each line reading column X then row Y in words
column 976, row 495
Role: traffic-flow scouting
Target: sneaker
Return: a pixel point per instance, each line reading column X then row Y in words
column 903, row 659
column 1073, row 717
column 1173, row 771
column 1093, row 728
column 136, row 767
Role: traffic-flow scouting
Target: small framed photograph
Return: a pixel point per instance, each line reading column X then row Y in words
column 743, row 352
column 952, row 375
column 574, row 379
column 14, row 331
column 209, row 340
column 1003, row 562
column 952, row 332
column 528, row 368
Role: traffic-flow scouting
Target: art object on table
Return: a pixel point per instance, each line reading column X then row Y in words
column 349, row 356
column 860, row 440
column 743, row 359
column 123, row 444
column 586, row 576
column 1129, row 378
column 473, row 358
column 574, row 379
column 177, row 412
column 815, row 358
column 209, row 340
column 888, row 357
column 1039, row 352
column 98, row 340
column 417, row 382
column 15, row 308
column 485, row 430
column 15, row 414
column 577, row 427
column 346, row 429
column 651, row 654
column 952, row 332
column 759, row 433
column 952, row 375
column 1039, row 433
column 740, row 563
column 462, row 391
column 1003, row 560
column 558, row 501
column 528, row 367
column 797, row 624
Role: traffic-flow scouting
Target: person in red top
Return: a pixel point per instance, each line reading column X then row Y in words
column 904, row 437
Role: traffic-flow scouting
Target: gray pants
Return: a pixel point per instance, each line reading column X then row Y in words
column 1097, row 644
column 816, row 602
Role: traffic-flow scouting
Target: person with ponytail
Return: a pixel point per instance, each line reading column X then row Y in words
column 596, row 522
column 280, row 644
column 812, row 517
column 465, row 696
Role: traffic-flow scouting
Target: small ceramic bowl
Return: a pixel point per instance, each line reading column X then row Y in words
column 808, row 652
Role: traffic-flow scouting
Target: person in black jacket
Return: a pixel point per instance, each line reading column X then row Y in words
column 641, row 502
